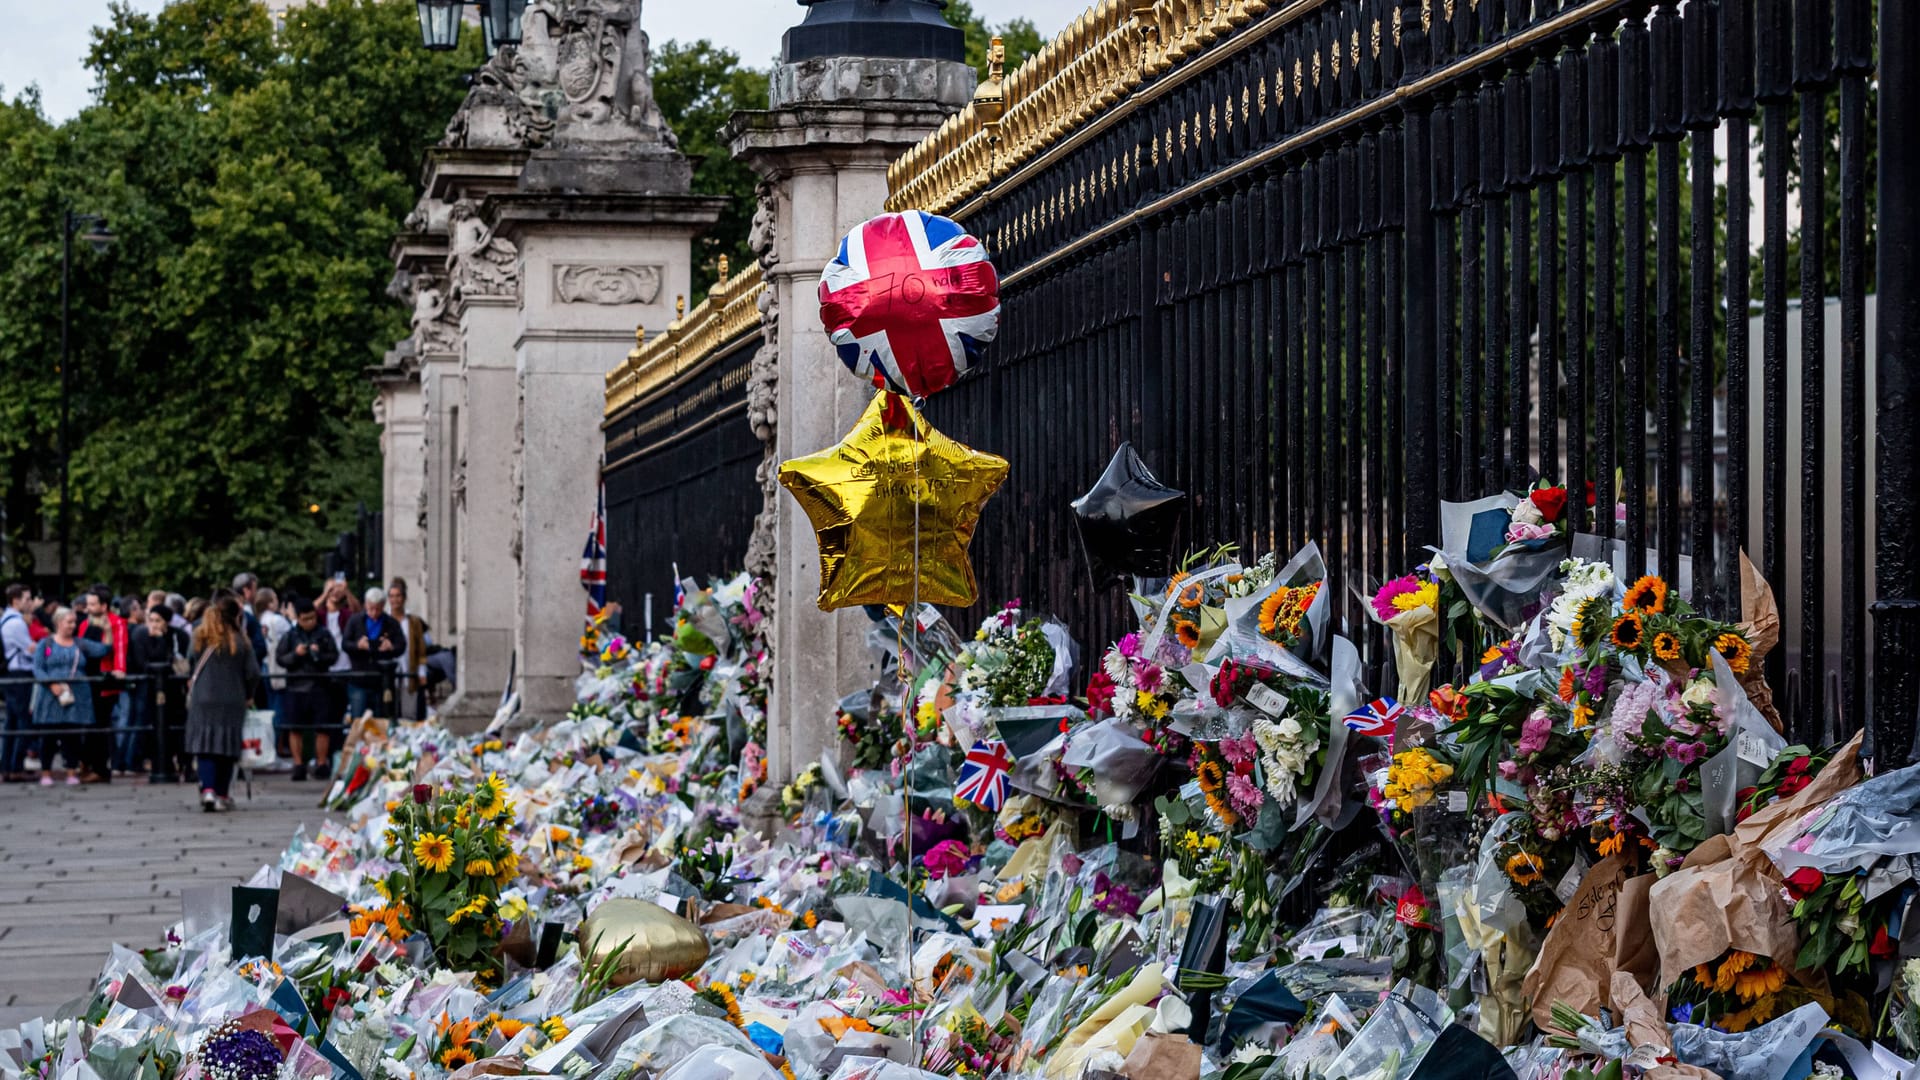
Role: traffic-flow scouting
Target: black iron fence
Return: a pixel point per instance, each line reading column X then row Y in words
column 157, row 717
column 680, row 484
column 1354, row 257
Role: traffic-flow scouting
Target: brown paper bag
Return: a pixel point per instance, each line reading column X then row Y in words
column 1575, row 964
column 1633, row 953
column 1699, row 912
column 1760, row 621
column 1163, row 1057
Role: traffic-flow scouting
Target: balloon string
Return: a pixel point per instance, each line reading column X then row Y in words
column 913, row 621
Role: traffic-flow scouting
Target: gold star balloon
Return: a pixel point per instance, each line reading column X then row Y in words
column 862, row 495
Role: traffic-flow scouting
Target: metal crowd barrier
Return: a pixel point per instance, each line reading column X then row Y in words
column 155, row 686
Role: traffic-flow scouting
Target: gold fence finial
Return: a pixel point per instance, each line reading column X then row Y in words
column 723, row 273
column 990, row 97
column 679, row 306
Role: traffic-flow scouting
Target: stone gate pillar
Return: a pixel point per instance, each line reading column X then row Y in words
column 857, row 86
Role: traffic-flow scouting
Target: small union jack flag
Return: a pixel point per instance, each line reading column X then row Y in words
column 983, row 776
column 909, row 300
column 593, row 560
column 1377, row 717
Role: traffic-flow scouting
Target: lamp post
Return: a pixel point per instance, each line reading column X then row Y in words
column 440, row 23
column 99, row 239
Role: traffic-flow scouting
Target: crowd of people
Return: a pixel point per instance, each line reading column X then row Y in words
column 161, row 684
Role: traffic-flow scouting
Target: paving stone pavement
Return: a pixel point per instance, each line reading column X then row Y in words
column 84, row 867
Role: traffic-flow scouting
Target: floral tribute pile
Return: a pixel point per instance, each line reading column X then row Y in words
column 1551, row 829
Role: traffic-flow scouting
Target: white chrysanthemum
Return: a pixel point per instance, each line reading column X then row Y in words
column 1586, row 579
column 1116, row 668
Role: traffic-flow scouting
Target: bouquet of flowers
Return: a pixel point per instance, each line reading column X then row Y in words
column 453, row 855
column 1010, row 662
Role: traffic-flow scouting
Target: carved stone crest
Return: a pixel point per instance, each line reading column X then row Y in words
column 763, row 382
column 596, row 283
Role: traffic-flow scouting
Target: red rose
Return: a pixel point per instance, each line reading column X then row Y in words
column 1883, row 946
column 706, row 663
column 1743, row 814
column 334, row 997
column 1550, row 501
column 423, row 793
column 1791, row 784
column 1799, row 765
column 1590, row 495
column 1100, row 692
column 1804, row 882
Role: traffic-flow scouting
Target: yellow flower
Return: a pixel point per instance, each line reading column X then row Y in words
column 473, row 907
column 455, row 1056
column 581, row 862
column 433, row 852
column 1649, row 594
column 1191, row 840
column 1211, row 843
column 1737, row 651
column 553, row 1027
column 1427, row 595
column 1666, row 646
column 479, row 868
column 509, row 1027
column 490, row 798
column 1525, row 868
column 513, row 907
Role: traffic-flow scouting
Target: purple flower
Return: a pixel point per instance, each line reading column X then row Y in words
column 1148, row 676
column 242, row 1054
column 1686, row 753
column 1683, row 1014
column 1594, row 679
column 1534, row 733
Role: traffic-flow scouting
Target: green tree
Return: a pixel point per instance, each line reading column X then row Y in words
column 253, row 180
column 1017, row 36
column 698, row 87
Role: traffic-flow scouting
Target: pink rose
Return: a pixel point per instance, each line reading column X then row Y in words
column 1534, row 733
column 1520, row 532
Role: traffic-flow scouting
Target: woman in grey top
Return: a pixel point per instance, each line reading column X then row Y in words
column 219, row 692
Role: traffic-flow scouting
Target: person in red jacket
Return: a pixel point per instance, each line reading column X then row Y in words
column 110, row 712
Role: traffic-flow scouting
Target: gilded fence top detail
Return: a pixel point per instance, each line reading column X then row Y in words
column 1078, row 76
column 729, row 312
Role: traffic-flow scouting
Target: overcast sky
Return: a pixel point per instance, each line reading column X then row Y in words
column 46, row 41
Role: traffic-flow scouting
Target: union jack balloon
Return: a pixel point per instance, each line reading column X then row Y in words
column 909, row 301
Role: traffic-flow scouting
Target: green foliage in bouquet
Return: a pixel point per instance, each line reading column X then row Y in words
column 453, row 856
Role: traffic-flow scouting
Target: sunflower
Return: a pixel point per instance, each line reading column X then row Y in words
column 1591, row 613
column 490, row 798
column 480, row 868
column 509, row 1027
column 1628, row 631
column 433, row 852
column 1186, row 632
column 1737, row 961
column 1737, row 651
column 1210, row 775
column 553, row 1027
column 455, row 1056
column 1270, row 611
column 1649, row 594
column 1759, row 982
column 1173, row 583
column 1666, row 646
column 1525, row 868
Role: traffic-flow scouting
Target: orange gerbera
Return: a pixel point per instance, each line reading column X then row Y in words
column 1566, row 684
column 1649, row 594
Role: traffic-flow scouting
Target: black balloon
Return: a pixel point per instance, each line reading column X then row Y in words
column 1128, row 520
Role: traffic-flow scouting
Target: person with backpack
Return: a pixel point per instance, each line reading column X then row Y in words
column 16, row 638
column 305, row 649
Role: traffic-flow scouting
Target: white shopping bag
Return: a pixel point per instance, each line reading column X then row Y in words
column 256, row 739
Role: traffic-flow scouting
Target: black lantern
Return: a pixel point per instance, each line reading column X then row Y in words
column 502, row 19
column 440, row 24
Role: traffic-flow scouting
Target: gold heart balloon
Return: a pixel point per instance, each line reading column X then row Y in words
column 862, row 495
